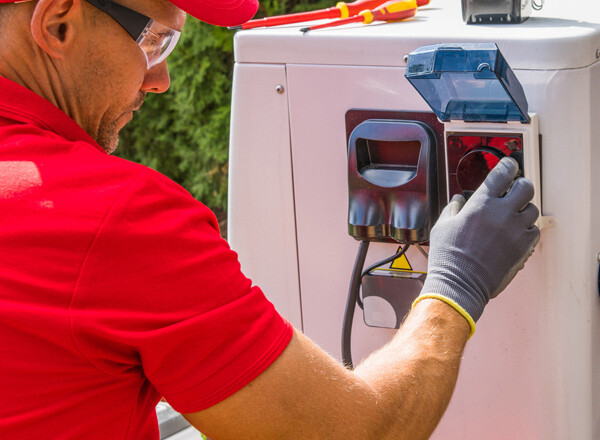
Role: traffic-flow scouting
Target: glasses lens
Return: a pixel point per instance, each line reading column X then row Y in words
column 157, row 41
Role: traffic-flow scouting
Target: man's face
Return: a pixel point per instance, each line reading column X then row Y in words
column 113, row 77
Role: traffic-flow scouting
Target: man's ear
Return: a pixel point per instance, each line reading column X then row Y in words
column 54, row 24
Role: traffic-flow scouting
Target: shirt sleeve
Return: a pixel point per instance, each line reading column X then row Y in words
column 161, row 295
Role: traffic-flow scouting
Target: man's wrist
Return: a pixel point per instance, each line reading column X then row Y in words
column 424, row 300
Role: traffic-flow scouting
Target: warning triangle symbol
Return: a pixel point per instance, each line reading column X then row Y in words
column 401, row 263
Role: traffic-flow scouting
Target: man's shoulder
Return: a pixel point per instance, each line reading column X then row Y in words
column 76, row 176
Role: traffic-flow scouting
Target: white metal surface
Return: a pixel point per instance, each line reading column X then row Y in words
column 531, row 370
column 261, row 199
column 561, row 36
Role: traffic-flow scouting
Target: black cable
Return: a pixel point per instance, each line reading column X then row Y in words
column 381, row 263
column 355, row 281
column 354, row 296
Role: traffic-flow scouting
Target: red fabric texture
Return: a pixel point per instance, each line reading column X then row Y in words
column 115, row 289
column 218, row 12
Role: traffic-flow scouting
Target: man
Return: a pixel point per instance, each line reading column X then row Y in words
column 115, row 288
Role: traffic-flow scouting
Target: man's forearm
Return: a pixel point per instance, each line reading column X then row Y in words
column 400, row 392
column 415, row 374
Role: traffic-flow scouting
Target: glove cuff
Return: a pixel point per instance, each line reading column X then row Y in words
column 452, row 304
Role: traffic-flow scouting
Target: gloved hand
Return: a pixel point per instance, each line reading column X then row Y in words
column 478, row 246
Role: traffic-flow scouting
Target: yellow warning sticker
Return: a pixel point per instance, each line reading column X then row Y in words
column 401, row 263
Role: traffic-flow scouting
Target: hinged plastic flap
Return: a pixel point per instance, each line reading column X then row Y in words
column 467, row 81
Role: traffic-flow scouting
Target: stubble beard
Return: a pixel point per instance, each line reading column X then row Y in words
column 108, row 134
column 108, row 137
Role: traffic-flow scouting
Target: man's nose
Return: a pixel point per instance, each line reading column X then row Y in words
column 157, row 79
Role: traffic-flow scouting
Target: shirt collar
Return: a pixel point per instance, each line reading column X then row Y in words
column 20, row 104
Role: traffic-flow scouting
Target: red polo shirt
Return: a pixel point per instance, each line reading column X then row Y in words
column 115, row 289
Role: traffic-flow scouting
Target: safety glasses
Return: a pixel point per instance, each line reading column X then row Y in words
column 156, row 40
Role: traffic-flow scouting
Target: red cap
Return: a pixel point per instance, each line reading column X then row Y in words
column 218, row 12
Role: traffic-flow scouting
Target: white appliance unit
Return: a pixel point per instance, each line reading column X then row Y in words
column 531, row 371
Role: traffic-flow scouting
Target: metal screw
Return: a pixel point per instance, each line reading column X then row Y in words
column 405, row 58
column 597, row 53
column 279, row 89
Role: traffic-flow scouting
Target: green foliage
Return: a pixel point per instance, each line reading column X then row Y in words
column 184, row 133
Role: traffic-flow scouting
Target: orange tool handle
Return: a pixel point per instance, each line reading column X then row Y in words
column 391, row 11
column 355, row 7
column 341, row 10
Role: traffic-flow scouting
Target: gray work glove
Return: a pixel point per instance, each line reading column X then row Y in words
column 478, row 246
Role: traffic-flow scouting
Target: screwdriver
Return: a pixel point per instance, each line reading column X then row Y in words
column 390, row 11
column 341, row 10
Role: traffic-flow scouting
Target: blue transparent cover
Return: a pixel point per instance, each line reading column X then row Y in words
column 469, row 82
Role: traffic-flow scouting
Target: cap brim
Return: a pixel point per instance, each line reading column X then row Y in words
column 219, row 12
